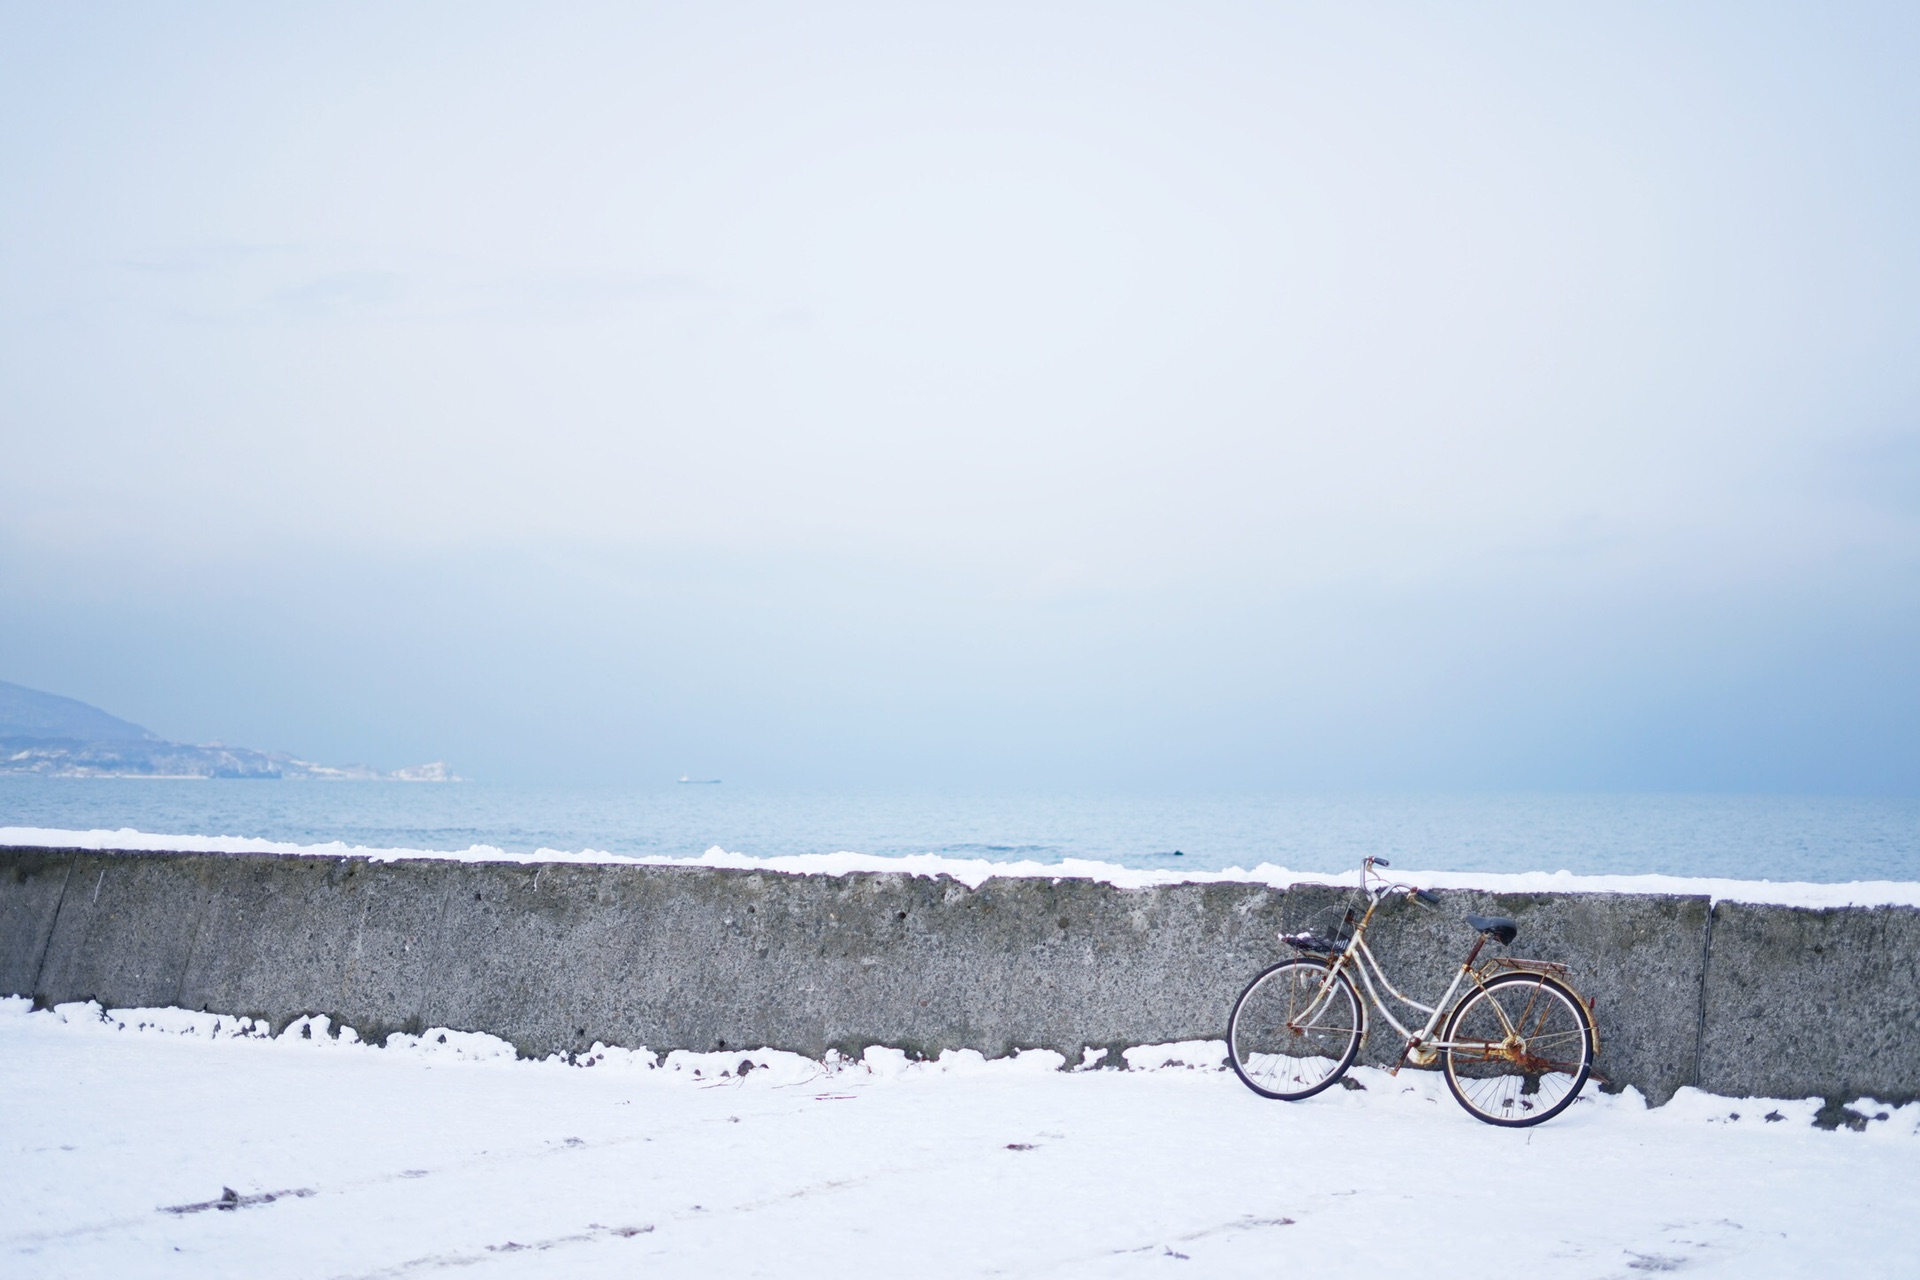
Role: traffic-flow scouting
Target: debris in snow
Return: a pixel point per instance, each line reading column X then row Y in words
column 1836, row 1114
column 230, row 1199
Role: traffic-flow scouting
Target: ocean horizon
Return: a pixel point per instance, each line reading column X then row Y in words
column 1815, row 839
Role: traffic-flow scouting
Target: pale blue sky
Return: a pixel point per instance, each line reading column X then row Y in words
column 1178, row 395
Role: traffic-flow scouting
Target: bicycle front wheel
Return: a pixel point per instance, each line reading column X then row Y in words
column 1519, row 1050
column 1293, row 1032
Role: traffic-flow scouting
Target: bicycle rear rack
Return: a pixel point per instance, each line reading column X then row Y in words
column 1530, row 966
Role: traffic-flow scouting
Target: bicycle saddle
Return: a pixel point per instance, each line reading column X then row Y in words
column 1499, row 928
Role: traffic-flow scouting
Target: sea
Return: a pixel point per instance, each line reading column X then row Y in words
column 1829, row 839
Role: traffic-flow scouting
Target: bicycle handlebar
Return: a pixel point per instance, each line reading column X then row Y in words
column 1380, row 891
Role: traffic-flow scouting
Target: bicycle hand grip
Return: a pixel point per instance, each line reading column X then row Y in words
column 1427, row 896
column 1381, row 862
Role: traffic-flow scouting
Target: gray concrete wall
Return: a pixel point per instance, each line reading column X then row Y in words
column 1803, row 1002
column 32, row 886
column 556, row 956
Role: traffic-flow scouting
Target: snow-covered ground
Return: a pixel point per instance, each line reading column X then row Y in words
column 159, row 1142
column 975, row 871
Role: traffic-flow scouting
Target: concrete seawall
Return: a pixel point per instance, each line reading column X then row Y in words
column 1738, row 999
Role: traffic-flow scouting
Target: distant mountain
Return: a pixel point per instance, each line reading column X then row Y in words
column 28, row 713
column 46, row 734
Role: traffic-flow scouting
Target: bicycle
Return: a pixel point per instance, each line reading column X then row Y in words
column 1517, row 1045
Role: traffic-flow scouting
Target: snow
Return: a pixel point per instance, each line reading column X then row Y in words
column 975, row 871
column 161, row 1142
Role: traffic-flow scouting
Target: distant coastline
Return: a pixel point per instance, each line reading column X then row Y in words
column 46, row 735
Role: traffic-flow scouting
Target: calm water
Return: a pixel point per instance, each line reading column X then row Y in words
column 1748, row 837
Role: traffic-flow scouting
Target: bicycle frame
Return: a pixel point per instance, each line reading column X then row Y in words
column 1358, row 958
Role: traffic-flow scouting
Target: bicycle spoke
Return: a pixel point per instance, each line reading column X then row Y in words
column 1518, row 1051
column 1294, row 1030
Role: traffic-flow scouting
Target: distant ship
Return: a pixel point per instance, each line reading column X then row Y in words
column 700, row 782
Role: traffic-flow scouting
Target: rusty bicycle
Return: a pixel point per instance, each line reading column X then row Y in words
column 1515, row 1041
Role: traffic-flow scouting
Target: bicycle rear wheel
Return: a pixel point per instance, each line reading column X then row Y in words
column 1519, row 1050
column 1291, row 1034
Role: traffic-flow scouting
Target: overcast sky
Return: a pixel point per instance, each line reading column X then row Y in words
column 971, row 395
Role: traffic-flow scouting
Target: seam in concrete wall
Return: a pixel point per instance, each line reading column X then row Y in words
column 183, row 976
column 1706, row 964
column 53, row 924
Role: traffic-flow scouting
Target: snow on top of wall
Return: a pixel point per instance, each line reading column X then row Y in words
column 975, row 871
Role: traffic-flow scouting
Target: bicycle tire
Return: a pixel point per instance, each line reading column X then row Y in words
column 1509, row 1029
column 1272, row 1052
